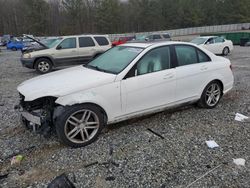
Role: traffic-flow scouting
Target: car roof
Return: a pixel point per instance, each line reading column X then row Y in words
column 206, row 37
column 154, row 44
column 87, row 35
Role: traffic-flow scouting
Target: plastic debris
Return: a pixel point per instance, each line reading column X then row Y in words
column 240, row 117
column 212, row 144
column 61, row 181
column 16, row 159
column 239, row 162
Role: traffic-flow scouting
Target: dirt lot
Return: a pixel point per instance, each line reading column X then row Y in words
column 127, row 154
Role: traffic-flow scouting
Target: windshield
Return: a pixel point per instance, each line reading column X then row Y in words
column 48, row 42
column 115, row 60
column 199, row 41
column 53, row 43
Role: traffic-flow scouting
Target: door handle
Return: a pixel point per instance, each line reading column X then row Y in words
column 168, row 76
column 203, row 68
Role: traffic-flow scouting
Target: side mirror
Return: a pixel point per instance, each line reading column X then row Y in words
column 146, row 39
column 59, row 47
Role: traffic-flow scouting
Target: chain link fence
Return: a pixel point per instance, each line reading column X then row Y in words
column 192, row 30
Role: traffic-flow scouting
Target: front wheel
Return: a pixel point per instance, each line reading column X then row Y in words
column 80, row 125
column 211, row 95
column 43, row 65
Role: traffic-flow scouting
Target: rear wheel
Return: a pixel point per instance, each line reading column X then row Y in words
column 80, row 125
column 43, row 65
column 225, row 51
column 211, row 95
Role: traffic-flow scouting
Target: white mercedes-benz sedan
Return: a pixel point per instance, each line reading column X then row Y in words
column 215, row 44
column 127, row 81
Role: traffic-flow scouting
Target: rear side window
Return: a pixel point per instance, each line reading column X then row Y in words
column 86, row 42
column 203, row 57
column 102, row 41
column 166, row 36
column 186, row 55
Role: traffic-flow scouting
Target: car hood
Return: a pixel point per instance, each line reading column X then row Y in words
column 64, row 82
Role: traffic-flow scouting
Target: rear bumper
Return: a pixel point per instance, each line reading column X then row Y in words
column 29, row 63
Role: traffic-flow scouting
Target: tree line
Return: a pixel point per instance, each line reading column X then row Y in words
column 64, row 17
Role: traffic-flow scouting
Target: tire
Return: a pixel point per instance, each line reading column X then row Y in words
column 14, row 49
column 225, row 51
column 71, row 125
column 43, row 65
column 211, row 95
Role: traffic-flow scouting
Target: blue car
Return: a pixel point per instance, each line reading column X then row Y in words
column 15, row 45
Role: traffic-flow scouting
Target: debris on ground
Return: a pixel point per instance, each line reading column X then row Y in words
column 212, row 144
column 155, row 133
column 204, row 175
column 3, row 176
column 61, row 181
column 16, row 159
column 239, row 162
column 241, row 117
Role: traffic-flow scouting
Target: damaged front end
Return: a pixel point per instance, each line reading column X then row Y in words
column 37, row 115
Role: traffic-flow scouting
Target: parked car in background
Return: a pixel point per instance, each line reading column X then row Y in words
column 122, row 40
column 158, row 37
column 66, row 51
column 5, row 39
column 127, row 81
column 15, row 44
column 215, row 44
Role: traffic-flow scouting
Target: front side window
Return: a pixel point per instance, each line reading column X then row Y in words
column 156, row 37
column 115, row 59
column 156, row 60
column 186, row 55
column 68, row 43
column 102, row 41
column 86, row 42
column 210, row 41
column 166, row 36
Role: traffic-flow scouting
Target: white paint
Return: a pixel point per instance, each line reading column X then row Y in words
column 126, row 98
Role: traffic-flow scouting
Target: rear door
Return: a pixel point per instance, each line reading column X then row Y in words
column 87, row 49
column 66, row 52
column 193, row 72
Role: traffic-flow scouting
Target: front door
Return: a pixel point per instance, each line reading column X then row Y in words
column 66, row 52
column 153, row 84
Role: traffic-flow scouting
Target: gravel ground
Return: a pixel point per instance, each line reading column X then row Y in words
column 127, row 154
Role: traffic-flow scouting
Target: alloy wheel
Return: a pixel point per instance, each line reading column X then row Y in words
column 43, row 66
column 213, row 94
column 81, row 126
